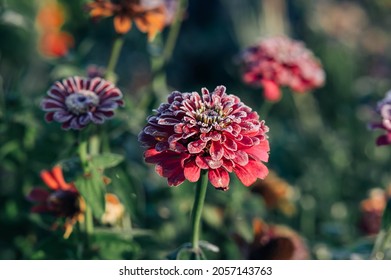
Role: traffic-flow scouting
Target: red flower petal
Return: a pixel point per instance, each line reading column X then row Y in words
column 271, row 91
column 192, row 171
column 216, row 150
column 248, row 174
column 49, row 180
column 219, row 178
column 196, row 147
column 259, row 152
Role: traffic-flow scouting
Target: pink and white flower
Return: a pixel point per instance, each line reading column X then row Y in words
column 214, row 132
column 76, row 101
column 280, row 61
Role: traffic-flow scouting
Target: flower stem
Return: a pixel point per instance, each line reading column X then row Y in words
column 83, row 155
column 197, row 211
column 115, row 52
column 89, row 221
column 174, row 31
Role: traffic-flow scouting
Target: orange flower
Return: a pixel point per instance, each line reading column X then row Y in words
column 273, row 242
column 372, row 210
column 50, row 17
column 276, row 192
column 149, row 19
column 114, row 210
column 52, row 42
column 55, row 43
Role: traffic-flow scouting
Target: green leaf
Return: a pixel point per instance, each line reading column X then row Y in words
column 106, row 160
column 114, row 247
column 92, row 189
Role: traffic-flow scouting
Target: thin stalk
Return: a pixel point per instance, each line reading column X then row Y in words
column 197, row 211
column 89, row 221
column 174, row 31
column 115, row 52
column 83, row 155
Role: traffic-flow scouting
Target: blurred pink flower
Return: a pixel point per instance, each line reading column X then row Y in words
column 280, row 61
column 213, row 131
column 384, row 110
column 77, row 101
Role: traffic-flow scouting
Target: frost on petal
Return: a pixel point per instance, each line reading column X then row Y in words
column 219, row 178
column 196, row 147
column 216, row 150
column 212, row 131
column 192, row 171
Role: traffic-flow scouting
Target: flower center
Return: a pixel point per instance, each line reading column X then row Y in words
column 82, row 102
column 209, row 116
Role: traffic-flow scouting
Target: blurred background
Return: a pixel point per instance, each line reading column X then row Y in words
column 326, row 193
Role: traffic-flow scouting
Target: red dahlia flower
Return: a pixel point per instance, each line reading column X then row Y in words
column 213, row 131
column 280, row 61
column 77, row 101
column 384, row 110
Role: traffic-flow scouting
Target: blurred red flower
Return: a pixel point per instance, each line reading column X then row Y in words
column 213, row 131
column 55, row 43
column 280, row 61
column 62, row 200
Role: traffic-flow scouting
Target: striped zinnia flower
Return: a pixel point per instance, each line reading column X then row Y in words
column 75, row 102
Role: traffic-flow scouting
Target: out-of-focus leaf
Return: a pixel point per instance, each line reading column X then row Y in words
column 92, row 189
column 106, row 160
column 112, row 246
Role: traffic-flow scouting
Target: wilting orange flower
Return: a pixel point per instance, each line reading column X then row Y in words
column 273, row 242
column 114, row 212
column 372, row 210
column 276, row 192
column 149, row 18
column 62, row 201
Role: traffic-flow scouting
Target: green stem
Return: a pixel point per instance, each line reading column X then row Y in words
column 89, row 222
column 83, row 155
column 197, row 211
column 174, row 31
column 115, row 52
